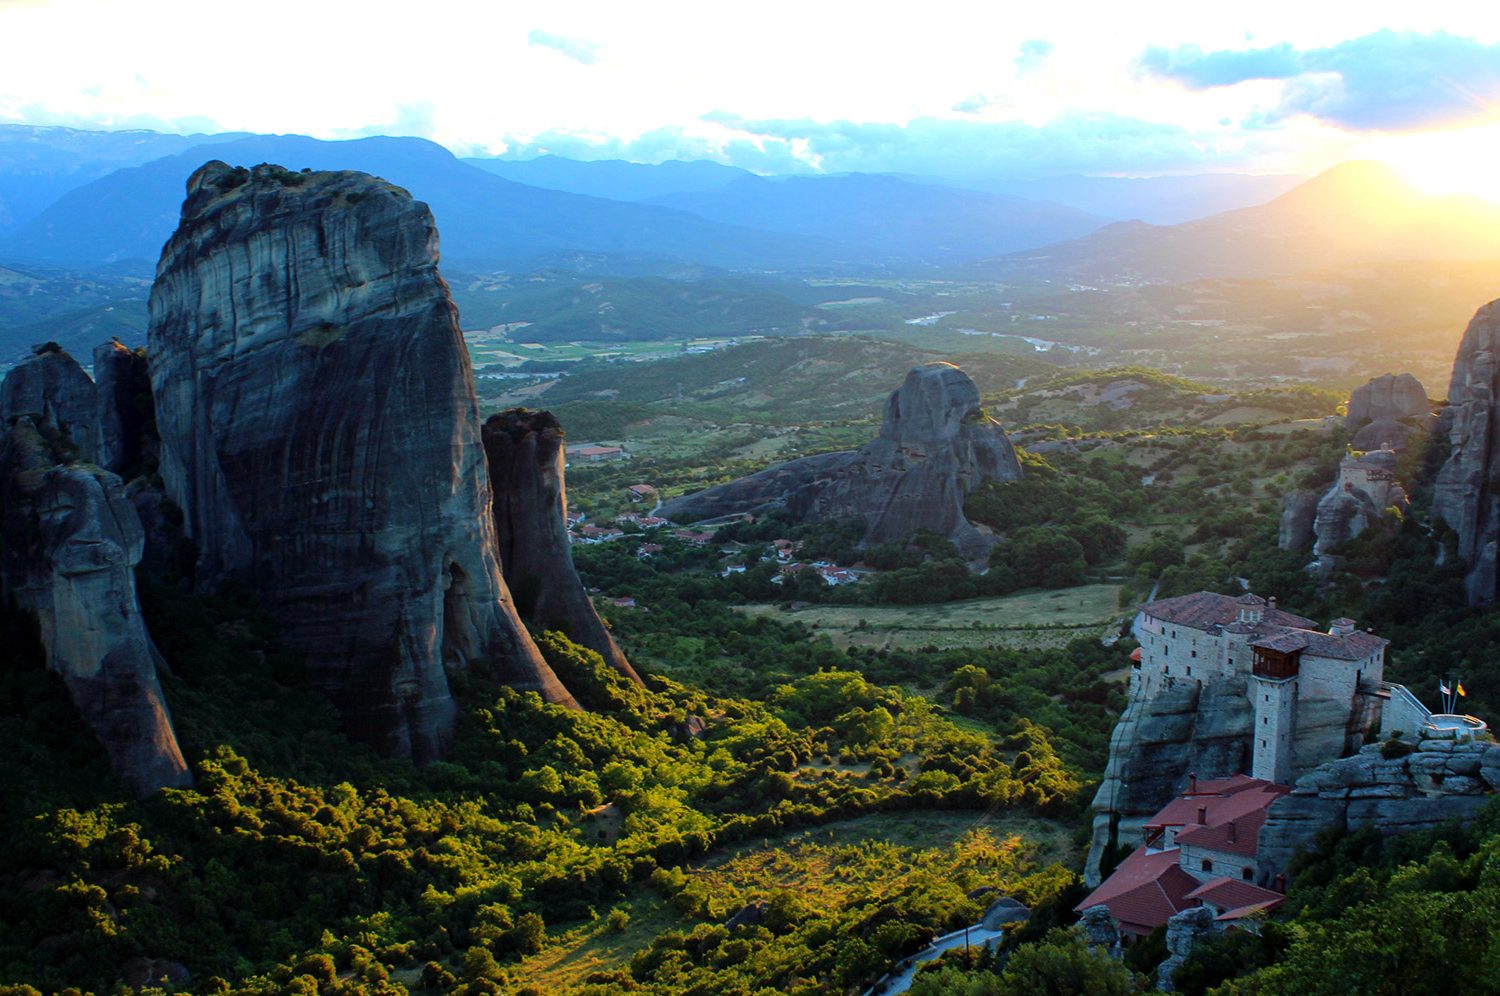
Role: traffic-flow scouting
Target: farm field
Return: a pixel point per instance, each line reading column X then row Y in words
column 1029, row 619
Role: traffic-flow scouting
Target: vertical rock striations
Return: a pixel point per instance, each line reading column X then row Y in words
column 71, row 541
column 936, row 444
column 320, row 431
column 1464, row 495
column 525, row 453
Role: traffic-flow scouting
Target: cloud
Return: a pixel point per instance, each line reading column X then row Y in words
column 659, row 145
column 577, row 49
column 1034, row 53
column 965, row 147
column 1385, row 81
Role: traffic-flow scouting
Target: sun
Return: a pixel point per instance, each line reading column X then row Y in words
column 1449, row 162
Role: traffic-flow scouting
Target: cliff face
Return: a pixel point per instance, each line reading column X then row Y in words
column 1464, row 495
column 1188, row 728
column 71, row 543
column 123, row 412
column 1440, row 781
column 319, row 430
column 50, row 388
column 525, row 454
column 935, row 446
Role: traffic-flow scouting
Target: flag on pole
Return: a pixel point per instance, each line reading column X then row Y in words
column 1442, row 688
column 1461, row 689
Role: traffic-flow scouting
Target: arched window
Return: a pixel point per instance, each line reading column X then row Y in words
column 1208, row 865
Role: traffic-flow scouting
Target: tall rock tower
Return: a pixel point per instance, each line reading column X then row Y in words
column 320, row 431
column 1465, row 495
column 525, row 453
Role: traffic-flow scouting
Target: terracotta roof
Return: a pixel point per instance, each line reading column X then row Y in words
column 1227, row 893
column 1231, row 822
column 1135, row 655
column 1144, row 891
column 1286, row 641
column 1354, row 647
column 1243, row 911
column 1206, row 609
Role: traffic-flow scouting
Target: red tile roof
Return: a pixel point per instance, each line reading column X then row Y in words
column 1144, row 891
column 1231, row 819
column 1227, row 894
column 1206, row 609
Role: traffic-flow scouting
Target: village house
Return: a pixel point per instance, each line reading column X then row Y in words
column 732, row 569
column 595, row 534
column 647, row 550
column 693, row 537
column 782, row 549
column 641, row 492
column 594, row 453
column 1199, row 850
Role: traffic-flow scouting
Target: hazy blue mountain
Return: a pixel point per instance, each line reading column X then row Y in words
column 77, row 308
column 888, row 216
column 129, row 213
column 1160, row 200
column 614, row 178
column 1356, row 212
column 40, row 164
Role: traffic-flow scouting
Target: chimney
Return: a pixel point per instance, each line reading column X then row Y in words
column 1233, row 835
column 1271, row 603
column 1202, row 814
column 1280, row 884
column 1343, row 626
column 1192, row 783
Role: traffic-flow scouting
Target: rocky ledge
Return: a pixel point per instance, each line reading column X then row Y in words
column 1438, row 781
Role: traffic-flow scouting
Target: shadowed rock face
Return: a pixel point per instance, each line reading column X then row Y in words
column 320, row 432
column 126, row 423
column 525, row 453
column 71, row 543
column 1299, row 511
column 1389, row 396
column 1464, row 494
column 935, row 446
column 50, row 388
column 1201, row 728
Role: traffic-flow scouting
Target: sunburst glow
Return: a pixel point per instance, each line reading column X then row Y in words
column 1451, row 162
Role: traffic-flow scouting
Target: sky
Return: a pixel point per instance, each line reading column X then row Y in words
column 932, row 88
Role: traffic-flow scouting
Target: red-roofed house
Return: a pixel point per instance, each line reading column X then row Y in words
column 1199, row 850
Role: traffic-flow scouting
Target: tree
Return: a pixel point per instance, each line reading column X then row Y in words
column 1062, row 964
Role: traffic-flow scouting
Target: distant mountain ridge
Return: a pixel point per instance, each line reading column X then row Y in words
column 129, row 213
column 1355, row 212
column 616, row 179
column 887, row 215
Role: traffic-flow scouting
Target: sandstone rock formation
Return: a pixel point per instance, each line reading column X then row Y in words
column 936, row 444
column 71, row 543
column 1299, row 510
column 124, row 411
column 1464, row 495
column 319, row 430
column 525, row 454
column 1184, row 930
column 50, row 388
column 1441, row 780
column 1389, row 396
column 1365, row 488
column 1190, row 728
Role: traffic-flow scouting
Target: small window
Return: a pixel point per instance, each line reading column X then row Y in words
column 1190, row 671
column 1265, row 720
column 1268, row 697
column 1208, row 865
column 1194, row 653
column 1262, row 743
column 1167, row 669
column 1231, row 662
column 1247, row 874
